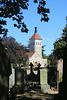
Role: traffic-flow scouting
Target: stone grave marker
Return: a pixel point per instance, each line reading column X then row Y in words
column 43, row 80
column 19, row 77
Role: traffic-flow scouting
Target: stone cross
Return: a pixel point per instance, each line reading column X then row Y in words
column 31, row 67
column 39, row 66
column 39, row 72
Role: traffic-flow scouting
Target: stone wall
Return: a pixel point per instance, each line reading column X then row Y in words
column 60, row 69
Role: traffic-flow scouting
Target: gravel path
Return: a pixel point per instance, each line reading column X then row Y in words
column 36, row 95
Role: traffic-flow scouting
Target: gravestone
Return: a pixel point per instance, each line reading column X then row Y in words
column 39, row 65
column 19, row 80
column 43, row 80
column 40, row 78
column 31, row 67
column 19, row 77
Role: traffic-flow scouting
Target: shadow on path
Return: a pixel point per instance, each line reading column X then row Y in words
column 34, row 95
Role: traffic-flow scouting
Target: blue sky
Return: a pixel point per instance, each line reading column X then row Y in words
column 49, row 31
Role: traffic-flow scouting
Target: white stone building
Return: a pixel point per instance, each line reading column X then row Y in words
column 35, row 54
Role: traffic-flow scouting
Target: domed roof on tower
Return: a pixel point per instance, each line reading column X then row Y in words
column 35, row 35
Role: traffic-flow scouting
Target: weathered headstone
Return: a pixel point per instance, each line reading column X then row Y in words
column 43, row 80
column 19, row 77
column 31, row 67
column 19, row 80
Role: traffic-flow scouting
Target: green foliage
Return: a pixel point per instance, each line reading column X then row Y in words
column 52, row 60
column 59, row 47
column 44, row 55
column 13, row 9
column 64, row 34
column 60, row 44
column 28, row 47
column 43, row 11
column 2, row 47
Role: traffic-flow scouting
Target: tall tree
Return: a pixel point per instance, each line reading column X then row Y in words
column 52, row 60
column 58, row 50
column 28, row 47
column 60, row 44
column 43, row 54
column 14, row 51
column 13, row 9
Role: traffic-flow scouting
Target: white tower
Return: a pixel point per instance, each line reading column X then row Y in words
column 35, row 43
